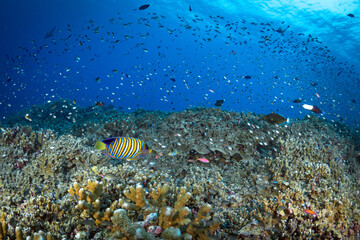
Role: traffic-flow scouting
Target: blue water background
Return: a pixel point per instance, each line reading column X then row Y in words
column 36, row 70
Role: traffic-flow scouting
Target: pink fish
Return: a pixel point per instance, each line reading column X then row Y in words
column 204, row 160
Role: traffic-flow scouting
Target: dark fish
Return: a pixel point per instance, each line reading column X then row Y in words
column 100, row 104
column 219, row 103
column 317, row 110
column 297, row 101
column 312, row 108
column 143, row 7
column 274, row 118
column 172, row 79
column 314, row 84
column 50, row 33
column 123, row 147
column 190, row 8
column 247, row 77
column 351, row 15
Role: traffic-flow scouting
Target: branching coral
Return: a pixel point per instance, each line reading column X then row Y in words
column 177, row 216
column 3, row 226
column 89, row 200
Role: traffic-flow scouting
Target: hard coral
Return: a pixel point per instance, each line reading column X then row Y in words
column 89, row 200
column 176, row 216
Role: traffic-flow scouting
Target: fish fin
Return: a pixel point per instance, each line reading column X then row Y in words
column 140, row 154
column 106, row 154
column 107, row 141
column 143, row 153
column 288, row 120
column 136, row 157
column 100, row 145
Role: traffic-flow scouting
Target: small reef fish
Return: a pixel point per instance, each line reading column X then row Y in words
column 50, row 33
column 204, row 160
column 274, row 118
column 174, row 153
column 311, row 212
column 100, row 104
column 110, row 176
column 219, row 103
column 312, row 108
column 123, row 148
column 27, row 117
column 143, row 7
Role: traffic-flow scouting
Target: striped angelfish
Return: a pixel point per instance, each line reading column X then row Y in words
column 123, row 147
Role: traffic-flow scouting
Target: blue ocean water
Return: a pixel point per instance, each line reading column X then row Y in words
column 257, row 56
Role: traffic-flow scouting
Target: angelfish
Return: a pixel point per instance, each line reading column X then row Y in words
column 123, row 148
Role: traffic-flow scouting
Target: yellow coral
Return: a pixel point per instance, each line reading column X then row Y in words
column 173, row 217
column 160, row 194
column 89, row 201
column 19, row 234
column 203, row 213
column 95, row 188
column 41, row 236
column 75, row 189
column 3, row 226
column 136, row 195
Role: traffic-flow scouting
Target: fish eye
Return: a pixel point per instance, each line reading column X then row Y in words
column 146, row 147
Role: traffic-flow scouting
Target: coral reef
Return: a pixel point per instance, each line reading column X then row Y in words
column 262, row 181
column 61, row 116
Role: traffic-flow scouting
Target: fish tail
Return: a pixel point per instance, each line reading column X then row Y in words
column 100, row 145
